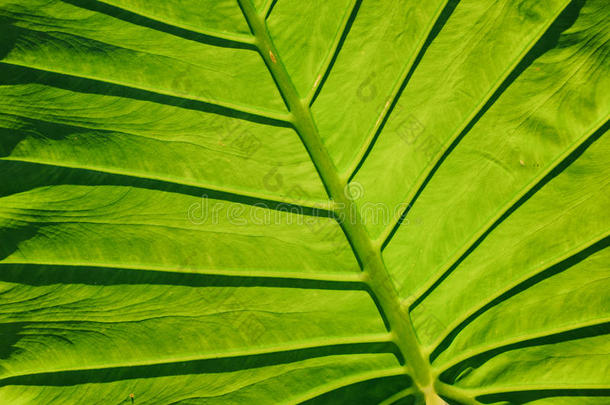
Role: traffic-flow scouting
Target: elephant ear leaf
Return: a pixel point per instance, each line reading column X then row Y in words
column 320, row 202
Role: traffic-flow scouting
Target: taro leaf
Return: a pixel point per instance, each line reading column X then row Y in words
column 321, row 202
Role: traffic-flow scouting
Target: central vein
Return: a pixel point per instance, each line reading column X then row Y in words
column 368, row 252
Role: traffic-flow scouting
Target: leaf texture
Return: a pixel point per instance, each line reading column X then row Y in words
column 322, row 202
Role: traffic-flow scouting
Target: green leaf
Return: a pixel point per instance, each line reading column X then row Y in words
column 319, row 202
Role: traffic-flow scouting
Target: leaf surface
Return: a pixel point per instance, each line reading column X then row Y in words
column 324, row 202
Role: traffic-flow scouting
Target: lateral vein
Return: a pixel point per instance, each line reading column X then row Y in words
column 428, row 171
column 538, row 270
column 267, row 114
column 327, row 207
column 493, row 221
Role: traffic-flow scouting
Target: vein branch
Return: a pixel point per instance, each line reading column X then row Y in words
column 327, row 65
column 223, row 35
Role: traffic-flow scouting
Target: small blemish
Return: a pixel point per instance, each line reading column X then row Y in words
column 378, row 120
column 317, row 81
column 522, row 163
column 272, row 56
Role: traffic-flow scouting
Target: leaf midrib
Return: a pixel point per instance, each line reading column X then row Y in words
column 367, row 251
